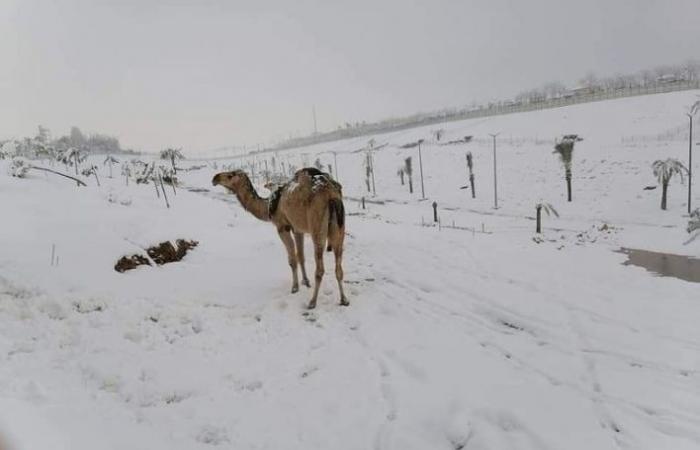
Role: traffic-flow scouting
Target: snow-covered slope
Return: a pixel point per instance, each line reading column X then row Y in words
column 472, row 337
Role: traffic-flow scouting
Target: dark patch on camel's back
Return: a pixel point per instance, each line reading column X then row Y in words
column 318, row 178
column 310, row 171
column 274, row 201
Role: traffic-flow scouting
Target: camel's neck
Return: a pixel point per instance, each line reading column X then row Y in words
column 252, row 202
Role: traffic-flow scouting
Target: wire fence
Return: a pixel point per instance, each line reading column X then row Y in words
column 491, row 110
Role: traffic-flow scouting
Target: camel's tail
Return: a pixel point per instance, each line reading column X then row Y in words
column 337, row 216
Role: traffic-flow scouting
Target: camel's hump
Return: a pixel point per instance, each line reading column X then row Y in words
column 317, row 178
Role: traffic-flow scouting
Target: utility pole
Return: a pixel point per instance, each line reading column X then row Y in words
column 420, row 163
column 313, row 110
column 495, row 179
column 370, row 161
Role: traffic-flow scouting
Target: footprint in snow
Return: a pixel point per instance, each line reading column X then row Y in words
column 213, row 435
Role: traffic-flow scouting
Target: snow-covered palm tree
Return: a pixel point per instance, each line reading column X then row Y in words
column 91, row 170
column 549, row 209
column 72, row 156
column 565, row 149
column 664, row 171
column 111, row 160
column 470, row 166
column 172, row 154
column 408, row 169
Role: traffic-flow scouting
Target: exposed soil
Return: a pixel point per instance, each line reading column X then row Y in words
column 130, row 262
column 162, row 253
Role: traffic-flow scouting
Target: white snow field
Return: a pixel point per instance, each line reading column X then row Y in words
column 454, row 339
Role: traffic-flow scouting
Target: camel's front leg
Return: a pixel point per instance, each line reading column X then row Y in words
column 288, row 242
column 299, row 241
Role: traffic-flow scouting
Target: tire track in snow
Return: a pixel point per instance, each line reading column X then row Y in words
column 383, row 435
column 605, row 418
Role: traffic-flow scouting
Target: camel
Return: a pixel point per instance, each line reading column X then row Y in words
column 310, row 203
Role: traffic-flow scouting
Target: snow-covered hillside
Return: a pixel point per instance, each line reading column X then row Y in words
column 470, row 335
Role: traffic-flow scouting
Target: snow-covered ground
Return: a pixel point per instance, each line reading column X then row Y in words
column 472, row 337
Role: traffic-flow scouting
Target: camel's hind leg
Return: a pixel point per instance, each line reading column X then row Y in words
column 288, row 242
column 318, row 256
column 336, row 243
column 299, row 241
column 319, row 237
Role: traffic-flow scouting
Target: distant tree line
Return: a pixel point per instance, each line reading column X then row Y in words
column 42, row 144
column 683, row 74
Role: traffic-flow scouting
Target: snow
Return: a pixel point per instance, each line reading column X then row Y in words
column 472, row 336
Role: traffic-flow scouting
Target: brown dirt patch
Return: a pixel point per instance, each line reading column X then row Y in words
column 162, row 253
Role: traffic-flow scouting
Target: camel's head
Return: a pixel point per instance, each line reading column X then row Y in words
column 230, row 180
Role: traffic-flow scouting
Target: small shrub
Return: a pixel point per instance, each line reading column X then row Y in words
column 19, row 167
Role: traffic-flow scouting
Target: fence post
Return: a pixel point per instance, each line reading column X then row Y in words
column 435, row 217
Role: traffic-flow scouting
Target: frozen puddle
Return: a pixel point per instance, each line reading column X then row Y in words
column 664, row 264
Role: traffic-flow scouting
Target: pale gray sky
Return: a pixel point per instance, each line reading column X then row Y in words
column 205, row 74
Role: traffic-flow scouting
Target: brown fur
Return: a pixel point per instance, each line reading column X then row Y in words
column 311, row 203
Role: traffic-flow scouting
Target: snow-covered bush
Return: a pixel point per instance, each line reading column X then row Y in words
column 92, row 170
column 694, row 222
column 172, row 154
column 142, row 172
column 168, row 175
column 71, row 157
column 19, row 167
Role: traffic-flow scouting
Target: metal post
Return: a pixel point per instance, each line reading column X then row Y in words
column 495, row 179
column 335, row 161
column 420, row 163
column 371, row 165
column 690, row 163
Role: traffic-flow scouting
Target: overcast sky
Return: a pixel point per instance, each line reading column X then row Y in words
column 207, row 74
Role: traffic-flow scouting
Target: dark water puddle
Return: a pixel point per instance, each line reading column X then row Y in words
column 664, row 264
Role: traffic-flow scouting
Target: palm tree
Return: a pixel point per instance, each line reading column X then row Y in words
column 172, row 154
column 72, row 155
column 91, row 170
column 565, row 149
column 664, row 171
column 409, row 171
column 549, row 209
column 110, row 160
column 470, row 166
